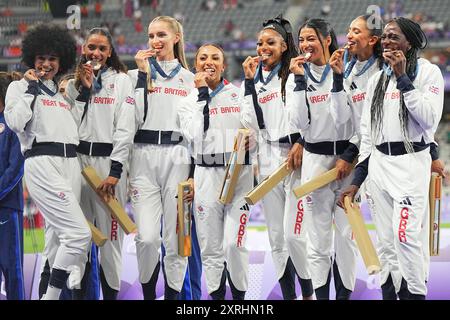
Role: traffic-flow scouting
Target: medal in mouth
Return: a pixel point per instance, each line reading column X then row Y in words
column 95, row 64
column 42, row 72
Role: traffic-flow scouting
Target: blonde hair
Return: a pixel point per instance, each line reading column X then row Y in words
column 179, row 46
column 178, row 49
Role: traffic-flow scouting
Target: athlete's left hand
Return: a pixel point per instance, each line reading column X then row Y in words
column 350, row 192
column 343, row 169
column 107, row 189
column 397, row 60
column 189, row 196
column 337, row 61
column 438, row 167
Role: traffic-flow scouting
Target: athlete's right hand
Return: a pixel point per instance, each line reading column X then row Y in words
column 296, row 65
column 201, row 79
column 438, row 167
column 350, row 192
column 30, row 75
column 107, row 188
column 87, row 75
column 249, row 65
column 189, row 197
column 141, row 59
column 295, row 156
column 337, row 61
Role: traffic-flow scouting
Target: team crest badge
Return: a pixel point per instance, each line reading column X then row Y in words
column 200, row 212
column 2, row 127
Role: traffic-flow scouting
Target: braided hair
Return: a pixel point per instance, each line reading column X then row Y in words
column 284, row 28
column 418, row 40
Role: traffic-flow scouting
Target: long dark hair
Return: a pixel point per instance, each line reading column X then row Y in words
column 374, row 24
column 418, row 40
column 113, row 61
column 323, row 28
column 284, row 28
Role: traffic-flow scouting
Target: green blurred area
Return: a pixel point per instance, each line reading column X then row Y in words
column 33, row 240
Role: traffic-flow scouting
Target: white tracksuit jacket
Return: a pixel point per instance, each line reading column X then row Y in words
column 400, row 183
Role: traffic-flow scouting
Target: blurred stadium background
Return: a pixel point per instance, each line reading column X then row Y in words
column 233, row 24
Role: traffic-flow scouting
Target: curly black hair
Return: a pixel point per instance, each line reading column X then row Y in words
column 49, row 39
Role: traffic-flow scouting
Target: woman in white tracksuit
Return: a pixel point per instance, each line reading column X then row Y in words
column 326, row 146
column 47, row 129
column 266, row 103
column 160, row 158
column 210, row 118
column 106, row 133
column 364, row 48
column 364, row 45
column 401, row 113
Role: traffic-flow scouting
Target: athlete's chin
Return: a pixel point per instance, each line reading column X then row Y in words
column 49, row 76
column 353, row 50
column 269, row 63
column 215, row 81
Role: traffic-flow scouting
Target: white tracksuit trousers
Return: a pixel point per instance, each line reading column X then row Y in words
column 54, row 185
column 155, row 171
column 321, row 206
column 222, row 229
column 94, row 210
column 286, row 217
column 399, row 187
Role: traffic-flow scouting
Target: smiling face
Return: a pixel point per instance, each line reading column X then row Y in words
column 270, row 47
column 46, row 66
column 162, row 38
column 394, row 39
column 308, row 41
column 97, row 48
column 210, row 59
column 359, row 38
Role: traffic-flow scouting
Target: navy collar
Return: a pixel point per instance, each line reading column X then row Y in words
column 97, row 82
column 388, row 70
column 155, row 67
column 349, row 66
column 259, row 76
column 217, row 89
column 324, row 73
column 44, row 88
